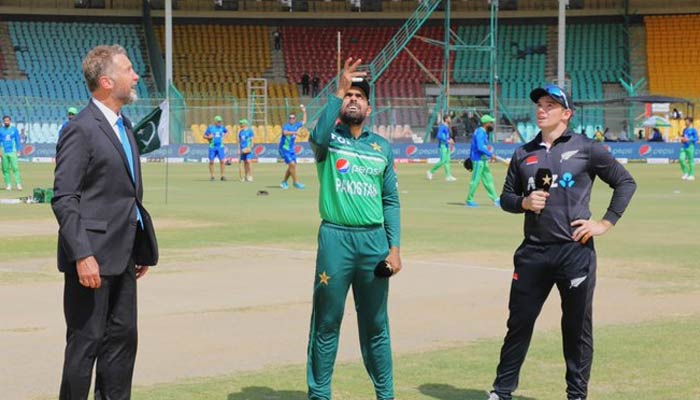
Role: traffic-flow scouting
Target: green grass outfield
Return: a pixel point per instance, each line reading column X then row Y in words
column 651, row 361
column 656, row 242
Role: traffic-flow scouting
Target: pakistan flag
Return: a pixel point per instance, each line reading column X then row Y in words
column 152, row 131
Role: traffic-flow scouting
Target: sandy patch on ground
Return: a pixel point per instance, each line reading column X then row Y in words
column 45, row 227
column 219, row 311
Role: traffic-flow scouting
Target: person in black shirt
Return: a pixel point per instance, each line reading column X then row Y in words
column 305, row 84
column 277, row 36
column 558, row 246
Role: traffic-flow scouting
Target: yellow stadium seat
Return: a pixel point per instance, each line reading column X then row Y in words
column 671, row 55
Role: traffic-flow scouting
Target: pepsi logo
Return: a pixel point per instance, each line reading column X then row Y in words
column 297, row 149
column 411, row 150
column 183, row 150
column 490, row 148
column 28, row 150
column 644, row 150
column 342, row 165
column 259, row 150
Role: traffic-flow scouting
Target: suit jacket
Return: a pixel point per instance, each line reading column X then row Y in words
column 95, row 199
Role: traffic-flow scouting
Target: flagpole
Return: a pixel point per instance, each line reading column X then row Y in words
column 167, row 148
column 168, row 79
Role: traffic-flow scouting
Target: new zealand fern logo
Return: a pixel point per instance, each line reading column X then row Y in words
column 567, row 180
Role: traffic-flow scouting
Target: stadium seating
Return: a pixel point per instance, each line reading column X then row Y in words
column 521, row 64
column 50, row 54
column 2, row 66
column 226, row 56
column 312, row 50
column 595, row 55
column 672, row 53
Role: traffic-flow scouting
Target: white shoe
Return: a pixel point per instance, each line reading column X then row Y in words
column 493, row 396
column 429, row 175
column 450, row 179
column 691, row 178
column 249, row 179
column 8, row 187
column 684, row 177
column 19, row 187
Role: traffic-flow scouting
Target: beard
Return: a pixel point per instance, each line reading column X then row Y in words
column 352, row 118
column 127, row 96
column 7, row 125
column 489, row 128
column 132, row 97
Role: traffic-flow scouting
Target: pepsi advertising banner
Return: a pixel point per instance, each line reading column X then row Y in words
column 403, row 152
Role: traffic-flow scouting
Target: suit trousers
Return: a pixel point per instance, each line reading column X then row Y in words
column 101, row 329
column 572, row 268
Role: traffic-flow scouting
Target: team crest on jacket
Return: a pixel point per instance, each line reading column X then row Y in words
column 567, row 155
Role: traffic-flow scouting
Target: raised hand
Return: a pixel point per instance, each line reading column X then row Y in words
column 347, row 74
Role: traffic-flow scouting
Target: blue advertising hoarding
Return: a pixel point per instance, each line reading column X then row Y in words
column 403, row 152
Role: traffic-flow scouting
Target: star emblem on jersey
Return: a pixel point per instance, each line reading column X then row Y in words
column 547, row 181
column 324, row 278
column 376, row 147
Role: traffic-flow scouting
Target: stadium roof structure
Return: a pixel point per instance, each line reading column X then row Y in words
column 648, row 99
column 637, row 99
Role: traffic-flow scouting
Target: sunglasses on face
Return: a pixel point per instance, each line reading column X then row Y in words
column 555, row 92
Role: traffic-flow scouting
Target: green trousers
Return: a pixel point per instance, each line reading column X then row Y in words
column 686, row 159
column 444, row 161
column 9, row 164
column 347, row 256
column 481, row 172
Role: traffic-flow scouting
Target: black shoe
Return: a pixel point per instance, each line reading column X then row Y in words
column 211, row 178
column 223, row 178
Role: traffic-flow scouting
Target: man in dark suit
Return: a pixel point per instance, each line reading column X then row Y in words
column 104, row 235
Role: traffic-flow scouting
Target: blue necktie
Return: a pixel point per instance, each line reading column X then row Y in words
column 129, row 157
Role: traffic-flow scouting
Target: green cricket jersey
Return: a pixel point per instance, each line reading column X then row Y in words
column 358, row 185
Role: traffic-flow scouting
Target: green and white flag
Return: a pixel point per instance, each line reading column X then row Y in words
column 152, row 131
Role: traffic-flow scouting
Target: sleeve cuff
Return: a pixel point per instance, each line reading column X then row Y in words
column 611, row 217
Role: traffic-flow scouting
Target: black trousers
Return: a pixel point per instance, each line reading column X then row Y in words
column 101, row 328
column 571, row 267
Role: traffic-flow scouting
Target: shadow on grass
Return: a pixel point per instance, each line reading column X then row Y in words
column 444, row 391
column 266, row 393
column 455, row 204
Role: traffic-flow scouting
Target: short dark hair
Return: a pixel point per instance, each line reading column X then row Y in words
column 444, row 117
column 689, row 119
column 6, row 116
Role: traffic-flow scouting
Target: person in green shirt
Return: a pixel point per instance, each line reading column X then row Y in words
column 360, row 230
column 10, row 150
